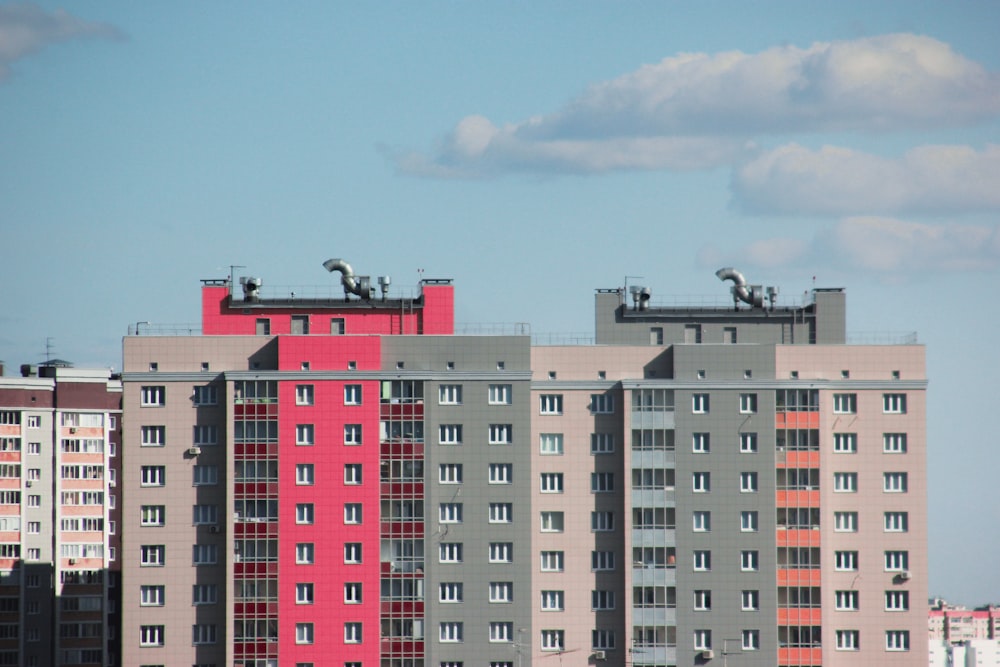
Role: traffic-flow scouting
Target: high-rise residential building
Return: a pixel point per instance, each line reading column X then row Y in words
column 59, row 593
column 348, row 481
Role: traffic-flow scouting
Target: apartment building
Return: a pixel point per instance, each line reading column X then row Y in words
column 347, row 479
column 59, row 466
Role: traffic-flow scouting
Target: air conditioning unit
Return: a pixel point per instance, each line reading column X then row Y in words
column 215, row 529
column 905, row 575
column 194, row 451
column 708, row 654
column 28, row 483
column 600, row 655
column 72, row 429
column 72, row 561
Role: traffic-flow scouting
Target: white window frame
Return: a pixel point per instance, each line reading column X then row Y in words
column 450, row 473
column 602, row 561
column 896, row 560
column 845, row 561
column 501, row 434
column 153, row 476
column 353, row 553
column 750, row 560
column 895, row 482
column 450, row 512
column 553, row 640
column 450, row 394
column 353, row 394
column 602, row 521
column 304, row 394
column 748, row 443
column 501, row 631
column 897, row 600
column 205, row 395
column 500, row 394
column 748, row 482
column 699, row 404
column 845, row 482
column 701, row 482
column 602, row 443
column 602, row 640
column 701, row 521
column 450, row 552
column 352, row 434
column 551, row 482
column 602, row 482
column 750, row 600
column 702, row 640
column 305, row 553
column 550, row 404
column 552, row 561
column 550, row 444
column 451, row 632
column 602, row 404
column 896, row 522
column 845, row 522
column 749, row 521
column 701, row 443
column 602, row 600
column 848, row 600
column 305, row 434
column 353, row 592
column 500, row 473
column 152, row 635
column 353, row 474
column 751, row 640
column 449, row 434
column 305, row 513
column 845, row 404
column 353, row 514
column 845, row 443
column 748, row 404
column 848, row 640
column 305, row 474
column 153, row 515
column 894, row 404
column 894, row 443
column 501, row 512
column 552, row 522
column 501, row 592
column 701, row 560
column 153, row 436
column 305, row 593
column 702, row 600
column 451, row 592
column 353, row 632
column 153, row 396
column 897, row 640
column 152, row 595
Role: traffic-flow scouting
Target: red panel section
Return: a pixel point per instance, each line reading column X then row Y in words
column 800, row 656
column 796, row 420
column 797, row 499
column 794, row 537
column 329, row 533
column 802, row 577
column 796, row 459
column 439, row 310
column 331, row 353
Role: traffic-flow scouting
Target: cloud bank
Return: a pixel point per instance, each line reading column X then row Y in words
column 695, row 111
column 27, row 29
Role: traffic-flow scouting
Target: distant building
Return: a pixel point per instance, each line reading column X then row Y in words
column 349, row 481
column 59, row 594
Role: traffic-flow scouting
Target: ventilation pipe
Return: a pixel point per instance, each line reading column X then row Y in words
column 360, row 285
column 753, row 295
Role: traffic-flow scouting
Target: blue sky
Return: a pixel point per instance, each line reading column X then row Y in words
column 532, row 152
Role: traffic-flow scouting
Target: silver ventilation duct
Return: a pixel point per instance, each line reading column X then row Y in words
column 753, row 295
column 360, row 285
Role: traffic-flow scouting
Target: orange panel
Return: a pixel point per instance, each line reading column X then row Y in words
column 800, row 656
column 798, row 616
column 797, row 498
column 798, row 538
column 796, row 420
column 802, row 577
column 795, row 459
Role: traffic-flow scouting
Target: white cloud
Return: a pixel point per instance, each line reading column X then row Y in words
column 26, row 29
column 840, row 181
column 656, row 116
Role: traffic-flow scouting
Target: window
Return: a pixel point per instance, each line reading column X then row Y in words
column 204, row 594
column 845, row 443
column 602, row 561
column 203, row 634
column 304, row 513
column 748, row 482
column 151, row 555
column 450, row 552
column 552, row 561
column 34, row 421
column 153, row 436
column 450, row 513
column 553, row 640
column 748, row 522
column 304, row 593
column 748, row 443
column 897, row 640
column 845, row 561
column 702, row 640
column 205, row 515
column 845, row 522
column 352, row 394
column 501, row 512
column 748, row 403
column 352, row 552
column 352, row 473
column 602, row 600
column 702, row 561
column 304, row 633
column 602, row 404
column 894, row 443
column 848, row 640
column 750, row 600
column 205, row 475
column 450, row 394
column 751, row 640
column 451, row 632
column 304, row 394
column 699, row 404
column 450, row 434
column 206, row 395
column 206, row 435
column 304, row 553
column 352, row 592
column 151, row 596
column 352, row 633
column 450, row 592
column 204, row 554
column 501, row 434
column 602, row 521
column 700, row 443
column 501, row 473
column 602, row 482
column 500, row 394
column 603, row 639
column 602, row 443
column 151, row 635
column 701, row 521
column 305, row 474
column 450, row 473
column 750, row 561
column 501, row 631
column 153, row 515
column 34, row 448
column 551, row 404
column 846, row 600
column 894, row 482
column 501, row 552
column 702, row 600
column 352, row 513
column 897, row 600
column 152, row 397
column 352, row 434
column 501, row 591
column 552, row 522
column 897, row 561
column 845, row 482
column 894, row 404
column 153, row 476
column 552, row 482
column 897, row 522
column 701, row 482
column 845, row 404
column 552, row 444
column 305, row 434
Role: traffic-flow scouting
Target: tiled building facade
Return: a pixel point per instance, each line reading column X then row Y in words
column 349, row 482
